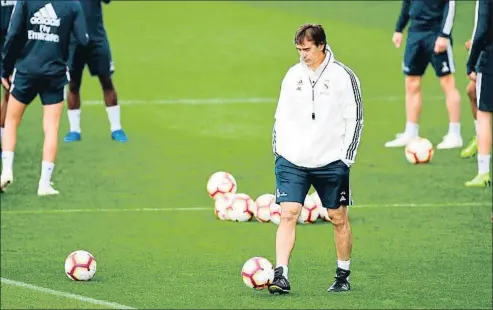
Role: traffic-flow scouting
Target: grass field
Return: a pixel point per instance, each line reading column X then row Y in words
column 421, row 239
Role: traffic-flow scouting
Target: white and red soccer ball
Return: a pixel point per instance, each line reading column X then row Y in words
column 243, row 208
column 419, row 151
column 80, row 266
column 220, row 183
column 264, row 205
column 257, row 273
column 309, row 211
column 223, row 206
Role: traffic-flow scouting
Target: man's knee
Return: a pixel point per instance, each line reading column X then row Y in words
column 339, row 216
column 106, row 82
column 471, row 90
column 290, row 211
column 413, row 84
column 448, row 83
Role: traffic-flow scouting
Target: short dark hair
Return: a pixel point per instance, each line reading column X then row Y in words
column 311, row 32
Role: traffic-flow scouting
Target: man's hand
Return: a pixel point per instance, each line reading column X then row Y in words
column 397, row 39
column 468, row 44
column 472, row 76
column 441, row 45
column 6, row 82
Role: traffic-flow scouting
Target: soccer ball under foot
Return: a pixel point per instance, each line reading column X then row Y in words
column 257, row 273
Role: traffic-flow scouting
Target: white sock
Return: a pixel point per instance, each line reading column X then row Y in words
column 454, row 128
column 284, row 270
column 46, row 171
column 74, row 120
column 476, row 127
column 483, row 163
column 7, row 160
column 343, row 264
column 412, row 129
column 114, row 117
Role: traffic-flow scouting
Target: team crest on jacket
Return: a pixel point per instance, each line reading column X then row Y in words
column 300, row 84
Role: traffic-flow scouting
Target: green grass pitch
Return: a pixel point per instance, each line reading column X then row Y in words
column 422, row 241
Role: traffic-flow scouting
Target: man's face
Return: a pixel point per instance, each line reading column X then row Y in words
column 310, row 53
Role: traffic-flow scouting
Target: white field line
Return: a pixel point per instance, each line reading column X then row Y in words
column 227, row 101
column 89, row 300
column 103, row 210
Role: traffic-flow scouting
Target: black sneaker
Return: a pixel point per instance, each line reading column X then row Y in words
column 280, row 284
column 341, row 283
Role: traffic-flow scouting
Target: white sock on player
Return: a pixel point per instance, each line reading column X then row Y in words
column 74, row 120
column 114, row 117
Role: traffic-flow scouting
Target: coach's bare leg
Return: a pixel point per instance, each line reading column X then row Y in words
column 51, row 126
column 453, row 139
column 13, row 118
column 452, row 97
column 342, row 233
column 3, row 109
column 471, row 94
column 414, row 100
column 413, row 111
column 286, row 233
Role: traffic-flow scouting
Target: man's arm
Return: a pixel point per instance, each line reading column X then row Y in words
column 14, row 40
column 447, row 19
column 353, row 118
column 479, row 33
column 404, row 16
column 80, row 27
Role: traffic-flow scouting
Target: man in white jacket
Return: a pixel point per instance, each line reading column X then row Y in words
column 316, row 135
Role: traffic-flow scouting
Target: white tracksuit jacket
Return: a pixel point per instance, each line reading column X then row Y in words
column 319, row 116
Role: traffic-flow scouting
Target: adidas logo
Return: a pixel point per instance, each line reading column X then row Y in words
column 46, row 16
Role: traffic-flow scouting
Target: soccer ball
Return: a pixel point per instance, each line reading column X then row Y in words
column 263, row 204
column 275, row 213
column 257, row 273
column 223, row 206
column 419, row 151
column 220, row 183
column 323, row 213
column 243, row 208
column 80, row 266
column 309, row 211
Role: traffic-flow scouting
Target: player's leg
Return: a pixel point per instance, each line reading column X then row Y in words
column 100, row 63
column 414, row 66
column 332, row 184
column 444, row 66
column 77, row 61
column 292, row 185
column 22, row 92
column 485, row 108
column 51, row 95
column 472, row 147
column 3, row 109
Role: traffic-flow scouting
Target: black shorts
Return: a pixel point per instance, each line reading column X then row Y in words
column 50, row 89
column 96, row 55
column 484, row 91
column 331, row 183
column 419, row 53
